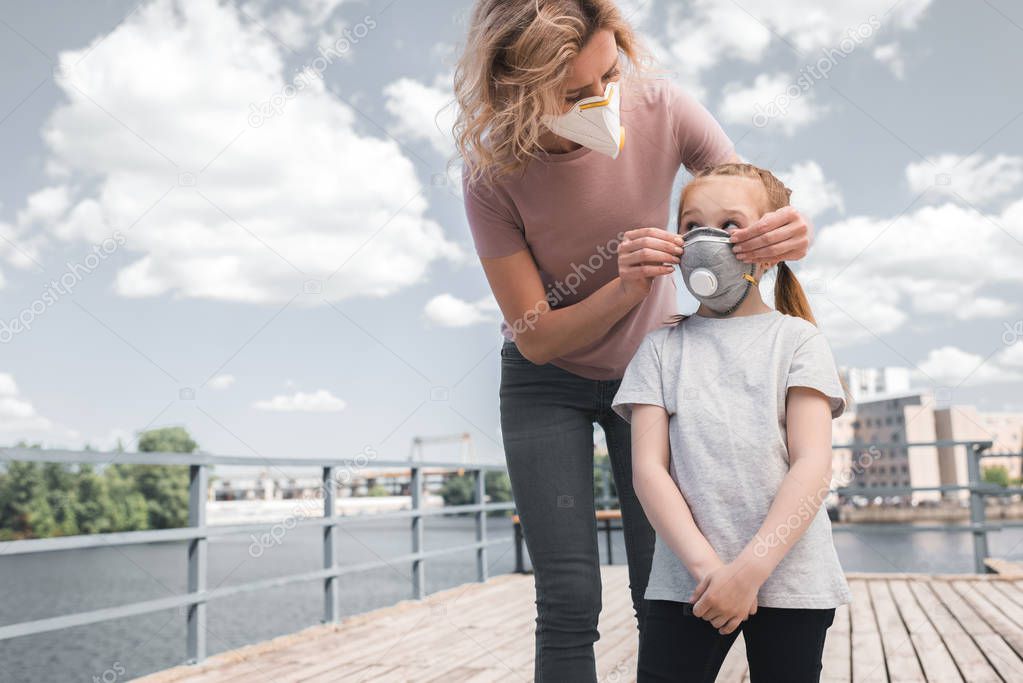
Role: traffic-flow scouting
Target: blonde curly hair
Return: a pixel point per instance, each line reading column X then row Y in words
column 512, row 70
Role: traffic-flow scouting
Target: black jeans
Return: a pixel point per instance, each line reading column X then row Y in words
column 782, row 645
column 547, row 417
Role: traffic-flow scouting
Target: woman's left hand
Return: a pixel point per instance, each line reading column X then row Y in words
column 782, row 235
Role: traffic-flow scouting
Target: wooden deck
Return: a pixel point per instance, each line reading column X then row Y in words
column 900, row 627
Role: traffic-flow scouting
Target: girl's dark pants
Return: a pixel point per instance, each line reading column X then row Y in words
column 782, row 645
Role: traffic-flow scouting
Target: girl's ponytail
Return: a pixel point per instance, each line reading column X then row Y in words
column 789, row 297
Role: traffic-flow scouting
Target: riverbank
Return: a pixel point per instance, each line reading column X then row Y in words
column 994, row 510
column 231, row 512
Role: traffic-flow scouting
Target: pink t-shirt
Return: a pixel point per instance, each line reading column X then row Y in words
column 570, row 210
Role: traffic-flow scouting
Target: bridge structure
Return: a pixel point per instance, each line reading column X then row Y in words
column 899, row 627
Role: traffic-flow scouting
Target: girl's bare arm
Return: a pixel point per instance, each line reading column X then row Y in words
column 724, row 596
column 808, row 429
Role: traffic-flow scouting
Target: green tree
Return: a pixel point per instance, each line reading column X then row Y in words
column 461, row 489
column 25, row 508
column 163, row 487
column 39, row 500
column 498, row 487
column 996, row 474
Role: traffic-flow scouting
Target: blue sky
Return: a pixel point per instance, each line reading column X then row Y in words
column 267, row 248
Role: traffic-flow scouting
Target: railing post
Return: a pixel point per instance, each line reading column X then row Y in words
column 610, row 545
column 331, row 592
column 418, row 574
column 605, row 484
column 520, row 562
column 977, row 511
column 481, row 526
column 197, row 560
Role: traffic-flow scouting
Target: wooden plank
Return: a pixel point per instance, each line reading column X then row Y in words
column 362, row 634
column 1001, row 625
column 989, row 612
column 968, row 658
column 997, row 598
column 910, row 627
column 937, row 662
column 734, row 669
column 868, row 662
column 899, row 653
column 1010, row 590
column 836, row 661
column 617, row 649
column 1004, row 567
column 995, row 650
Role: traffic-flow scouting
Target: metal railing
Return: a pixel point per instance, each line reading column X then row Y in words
column 197, row 534
column 978, row 490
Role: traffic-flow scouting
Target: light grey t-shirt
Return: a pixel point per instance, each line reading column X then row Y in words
column 723, row 383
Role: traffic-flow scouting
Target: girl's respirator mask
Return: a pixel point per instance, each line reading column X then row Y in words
column 711, row 271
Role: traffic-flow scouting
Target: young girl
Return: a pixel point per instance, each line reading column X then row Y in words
column 731, row 413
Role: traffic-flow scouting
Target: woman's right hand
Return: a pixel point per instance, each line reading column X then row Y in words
column 646, row 253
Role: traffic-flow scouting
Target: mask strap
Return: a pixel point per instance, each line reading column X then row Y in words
column 750, row 283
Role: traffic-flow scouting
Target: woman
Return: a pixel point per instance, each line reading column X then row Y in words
column 566, row 211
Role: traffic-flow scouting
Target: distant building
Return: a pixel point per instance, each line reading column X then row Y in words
column 866, row 383
column 966, row 423
column 907, row 417
column 911, row 416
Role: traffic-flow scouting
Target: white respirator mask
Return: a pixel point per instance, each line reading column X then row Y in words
column 593, row 122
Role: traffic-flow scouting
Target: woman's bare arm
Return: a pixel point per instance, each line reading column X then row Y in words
column 543, row 333
column 663, row 503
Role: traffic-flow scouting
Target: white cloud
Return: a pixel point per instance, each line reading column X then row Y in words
column 45, row 205
column 296, row 25
column 812, row 193
column 952, row 366
column 21, row 421
column 18, row 417
column 772, row 100
column 447, row 310
column 866, row 276
column 708, row 33
column 890, row 54
column 321, row 401
column 975, row 179
column 302, row 196
column 1012, row 355
column 221, row 382
column 423, row 112
column 705, row 33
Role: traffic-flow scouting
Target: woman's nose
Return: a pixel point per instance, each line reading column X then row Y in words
column 593, row 90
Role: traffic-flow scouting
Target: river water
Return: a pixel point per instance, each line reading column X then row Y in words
column 52, row 584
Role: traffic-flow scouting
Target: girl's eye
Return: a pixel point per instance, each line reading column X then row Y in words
column 690, row 225
column 731, row 223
